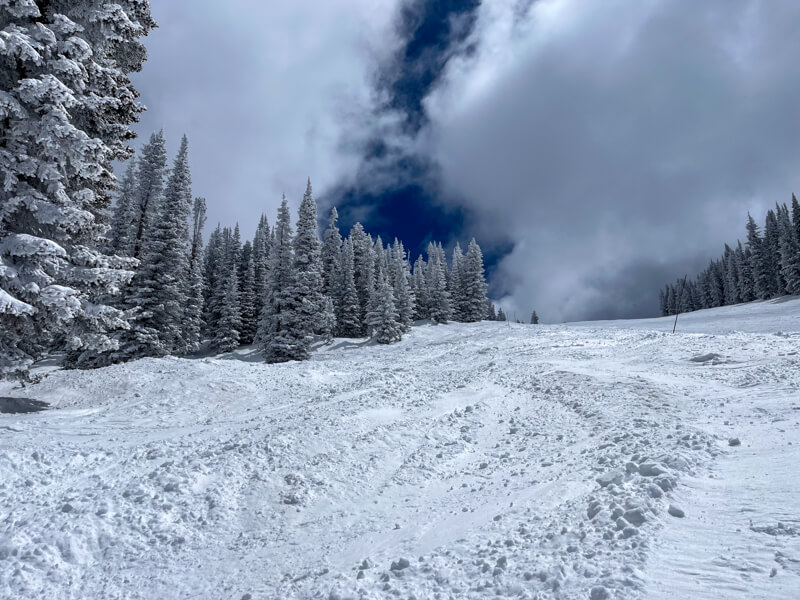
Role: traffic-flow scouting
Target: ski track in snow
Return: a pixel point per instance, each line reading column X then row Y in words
column 468, row 461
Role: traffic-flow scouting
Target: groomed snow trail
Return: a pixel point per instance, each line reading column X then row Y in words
column 468, row 461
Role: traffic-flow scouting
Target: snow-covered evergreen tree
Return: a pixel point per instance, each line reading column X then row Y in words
column 193, row 316
column 491, row 313
column 455, row 285
column 759, row 267
column 745, row 274
column 308, row 268
column 789, row 245
column 436, row 283
column 160, row 287
column 262, row 241
column 422, row 306
column 283, row 337
column 122, row 233
column 227, row 333
column 66, row 106
column 402, row 286
column 149, row 189
column 348, row 322
column 247, row 295
column 382, row 318
column 501, row 315
column 327, row 320
column 772, row 244
column 535, row 318
column 473, row 284
column 364, row 265
column 212, row 268
column 331, row 251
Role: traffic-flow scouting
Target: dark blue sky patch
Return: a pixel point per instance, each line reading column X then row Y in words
column 434, row 30
column 397, row 194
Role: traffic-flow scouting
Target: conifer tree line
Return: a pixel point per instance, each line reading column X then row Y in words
column 766, row 266
column 282, row 290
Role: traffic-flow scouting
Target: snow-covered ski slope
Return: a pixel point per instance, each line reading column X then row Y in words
column 468, row 461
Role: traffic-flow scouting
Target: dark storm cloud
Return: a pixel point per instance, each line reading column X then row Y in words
column 619, row 143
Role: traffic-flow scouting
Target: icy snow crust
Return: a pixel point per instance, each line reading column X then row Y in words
column 468, row 461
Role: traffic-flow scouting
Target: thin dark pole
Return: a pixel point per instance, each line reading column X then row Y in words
column 680, row 299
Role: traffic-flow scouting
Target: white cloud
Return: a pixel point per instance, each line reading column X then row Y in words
column 618, row 143
column 266, row 93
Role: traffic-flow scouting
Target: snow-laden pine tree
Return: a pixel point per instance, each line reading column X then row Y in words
column 501, row 315
column 159, row 291
column 193, row 315
column 226, row 334
column 308, row 268
column 283, row 337
column 247, row 297
column 212, row 266
column 473, row 284
column 364, row 265
column 327, row 320
column 491, row 313
column 796, row 216
column 402, row 286
column 745, row 275
column 455, row 284
column 535, row 318
column 66, row 106
column 759, row 267
column 121, row 225
column 149, row 189
column 382, row 318
column 422, row 306
column 262, row 241
column 348, row 322
column 331, row 251
column 731, row 277
column 789, row 245
column 436, row 282
column 772, row 245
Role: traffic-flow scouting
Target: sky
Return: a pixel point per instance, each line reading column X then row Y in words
column 596, row 150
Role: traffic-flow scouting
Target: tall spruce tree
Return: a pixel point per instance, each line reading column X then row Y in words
column 348, row 322
column 283, row 337
column 227, row 333
column 161, row 284
column 149, row 190
column 422, row 306
column 262, row 241
column 212, row 268
column 66, row 112
column 402, row 286
column 193, row 316
column 308, row 268
column 383, row 320
column 455, row 284
column 473, row 283
column 121, row 229
column 364, row 265
column 331, row 250
column 789, row 245
column 247, row 294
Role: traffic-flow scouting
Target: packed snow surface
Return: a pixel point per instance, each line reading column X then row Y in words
column 593, row 460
